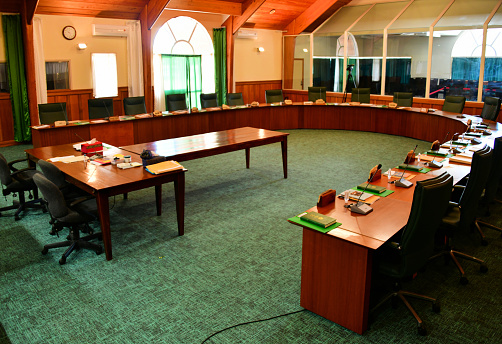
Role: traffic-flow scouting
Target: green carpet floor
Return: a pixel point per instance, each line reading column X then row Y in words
column 238, row 261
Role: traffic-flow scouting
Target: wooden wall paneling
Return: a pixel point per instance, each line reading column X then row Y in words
column 150, row 129
column 6, row 120
column 255, row 90
column 284, row 117
column 60, row 135
column 389, row 121
column 253, row 117
column 222, row 120
column 114, row 133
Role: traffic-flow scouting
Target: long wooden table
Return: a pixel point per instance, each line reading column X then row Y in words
column 208, row 144
column 337, row 266
column 109, row 180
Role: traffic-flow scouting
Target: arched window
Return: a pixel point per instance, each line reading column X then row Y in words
column 183, row 36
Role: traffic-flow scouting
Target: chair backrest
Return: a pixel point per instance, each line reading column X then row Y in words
column 100, row 108
column 134, row 105
column 469, row 200
column 52, row 195
column 361, row 95
column 208, row 100
column 403, row 98
column 52, row 112
column 495, row 176
column 491, row 109
column 273, row 96
column 454, row 104
column 53, row 173
column 5, row 176
column 176, row 102
column 234, row 99
column 430, row 202
column 317, row 92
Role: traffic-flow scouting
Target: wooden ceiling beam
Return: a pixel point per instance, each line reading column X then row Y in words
column 154, row 10
column 313, row 16
column 249, row 7
column 207, row 6
column 31, row 7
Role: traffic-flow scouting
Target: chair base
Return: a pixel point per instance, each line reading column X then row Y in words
column 456, row 254
column 75, row 242
column 480, row 223
column 401, row 294
column 22, row 205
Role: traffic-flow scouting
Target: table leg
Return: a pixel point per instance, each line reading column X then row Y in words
column 179, row 192
column 248, row 152
column 284, row 148
column 104, row 218
column 158, row 199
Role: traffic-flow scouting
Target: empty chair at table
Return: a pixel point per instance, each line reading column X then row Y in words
column 175, row 102
column 208, row 100
column 454, row 104
column 403, row 99
column 52, row 112
column 273, row 96
column 100, row 108
column 316, row 92
column 134, row 106
column 234, row 99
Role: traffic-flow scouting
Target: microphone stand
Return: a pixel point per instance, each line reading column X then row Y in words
column 401, row 182
column 437, row 164
column 361, row 207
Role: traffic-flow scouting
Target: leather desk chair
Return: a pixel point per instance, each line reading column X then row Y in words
column 414, row 244
column 235, row 99
column 134, row 106
column 454, row 104
column 491, row 109
column 100, row 108
column 361, row 95
column 317, row 92
column 52, row 112
column 273, row 96
column 403, row 99
column 208, row 100
column 175, row 102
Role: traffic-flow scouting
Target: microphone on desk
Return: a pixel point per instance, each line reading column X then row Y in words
column 77, row 135
column 401, row 182
column 360, row 207
column 437, row 164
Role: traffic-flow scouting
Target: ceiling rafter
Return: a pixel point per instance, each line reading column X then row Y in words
column 249, row 7
column 314, row 16
column 207, row 6
column 154, row 10
column 31, row 7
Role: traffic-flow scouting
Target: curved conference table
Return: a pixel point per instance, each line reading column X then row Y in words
column 409, row 122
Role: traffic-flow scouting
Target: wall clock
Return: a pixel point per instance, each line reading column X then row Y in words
column 69, row 32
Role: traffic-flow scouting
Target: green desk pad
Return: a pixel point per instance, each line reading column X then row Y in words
column 304, row 223
column 422, row 170
column 383, row 194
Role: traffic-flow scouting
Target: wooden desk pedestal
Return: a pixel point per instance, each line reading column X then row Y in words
column 336, row 278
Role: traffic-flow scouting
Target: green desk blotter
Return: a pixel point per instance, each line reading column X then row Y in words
column 422, row 170
column 304, row 223
column 383, row 194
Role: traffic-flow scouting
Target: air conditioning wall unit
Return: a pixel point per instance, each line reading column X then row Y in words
column 246, row 34
column 109, row 30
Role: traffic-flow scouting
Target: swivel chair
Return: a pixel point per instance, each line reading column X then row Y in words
column 75, row 216
column 461, row 215
column 316, row 92
column 273, row 96
column 454, row 104
column 491, row 109
column 415, row 242
column 235, row 99
column 100, row 108
column 361, row 95
column 17, row 182
column 175, row 102
column 134, row 106
column 208, row 100
column 403, row 99
column 52, row 112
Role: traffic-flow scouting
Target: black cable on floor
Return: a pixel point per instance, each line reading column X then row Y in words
column 250, row 322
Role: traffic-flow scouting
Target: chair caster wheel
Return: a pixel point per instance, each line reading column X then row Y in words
column 62, row 261
column 98, row 252
column 464, row 280
column 436, row 307
column 422, row 330
column 484, row 242
column 483, row 268
column 45, row 250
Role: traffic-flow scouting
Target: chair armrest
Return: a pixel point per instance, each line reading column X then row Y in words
column 80, row 200
column 14, row 175
column 11, row 163
column 394, row 245
column 453, row 204
column 459, row 186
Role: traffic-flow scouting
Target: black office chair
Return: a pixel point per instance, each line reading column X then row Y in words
column 17, row 182
column 52, row 112
column 100, row 108
column 403, row 99
column 134, row 106
column 74, row 217
column 208, row 100
column 491, row 109
column 175, row 102
column 414, row 244
column 461, row 215
column 454, row 104
column 492, row 185
column 273, row 96
column 361, row 95
column 235, row 99
column 316, row 92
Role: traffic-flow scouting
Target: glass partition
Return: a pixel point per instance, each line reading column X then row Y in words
column 301, row 63
column 492, row 83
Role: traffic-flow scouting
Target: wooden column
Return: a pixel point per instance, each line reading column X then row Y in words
column 29, row 63
column 289, row 56
column 146, row 44
column 230, row 53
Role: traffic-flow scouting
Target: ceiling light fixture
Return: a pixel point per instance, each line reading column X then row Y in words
column 272, row 11
column 82, row 46
column 261, row 49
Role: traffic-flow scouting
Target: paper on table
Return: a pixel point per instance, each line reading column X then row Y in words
column 67, row 159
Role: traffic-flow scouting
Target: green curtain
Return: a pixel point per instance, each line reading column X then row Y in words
column 14, row 53
column 183, row 74
column 220, row 64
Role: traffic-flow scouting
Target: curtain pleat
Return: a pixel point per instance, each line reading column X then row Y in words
column 182, row 74
column 220, row 64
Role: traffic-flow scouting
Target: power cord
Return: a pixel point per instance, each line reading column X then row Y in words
column 250, row 322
